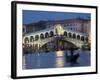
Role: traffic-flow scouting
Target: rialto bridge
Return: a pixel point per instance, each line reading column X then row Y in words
column 42, row 37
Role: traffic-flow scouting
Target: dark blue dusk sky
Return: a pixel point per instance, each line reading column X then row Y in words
column 30, row 16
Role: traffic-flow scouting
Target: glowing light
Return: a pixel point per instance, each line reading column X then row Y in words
column 59, row 62
column 59, row 29
column 59, row 53
column 60, row 59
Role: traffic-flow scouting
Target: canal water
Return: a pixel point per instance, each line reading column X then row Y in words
column 55, row 59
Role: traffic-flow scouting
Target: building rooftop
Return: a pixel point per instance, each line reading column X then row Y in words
column 58, row 21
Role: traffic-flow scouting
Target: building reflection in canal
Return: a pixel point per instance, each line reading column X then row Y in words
column 55, row 59
column 60, row 59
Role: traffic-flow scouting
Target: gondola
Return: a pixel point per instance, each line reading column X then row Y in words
column 72, row 58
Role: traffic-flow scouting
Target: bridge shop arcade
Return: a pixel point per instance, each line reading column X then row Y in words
column 53, row 40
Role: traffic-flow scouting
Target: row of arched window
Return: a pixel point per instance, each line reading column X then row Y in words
column 75, row 36
column 37, row 37
column 51, row 34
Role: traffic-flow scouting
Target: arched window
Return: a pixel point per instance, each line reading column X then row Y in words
column 46, row 35
column 26, row 40
column 51, row 33
column 33, row 46
column 31, row 38
column 69, row 34
column 23, row 30
column 36, row 37
column 86, row 39
column 71, row 28
column 74, row 35
column 78, row 36
column 41, row 36
column 65, row 33
column 82, row 38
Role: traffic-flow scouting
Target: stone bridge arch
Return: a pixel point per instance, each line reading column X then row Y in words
column 77, row 43
column 46, row 36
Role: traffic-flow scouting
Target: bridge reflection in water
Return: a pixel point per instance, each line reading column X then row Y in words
column 55, row 59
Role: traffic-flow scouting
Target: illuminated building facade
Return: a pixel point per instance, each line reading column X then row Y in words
column 76, row 25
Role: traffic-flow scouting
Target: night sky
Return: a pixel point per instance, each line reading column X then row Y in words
column 30, row 16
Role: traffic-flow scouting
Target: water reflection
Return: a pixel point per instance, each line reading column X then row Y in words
column 59, row 53
column 54, row 60
column 23, row 62
column 59, row 58
column 38, row 60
